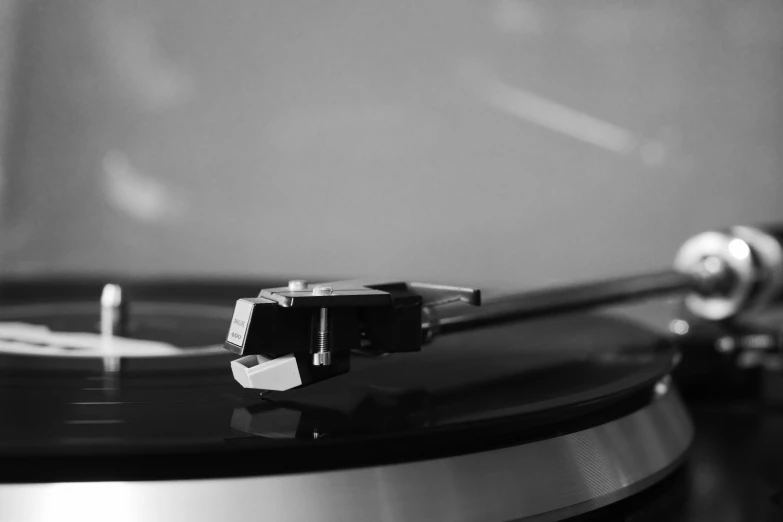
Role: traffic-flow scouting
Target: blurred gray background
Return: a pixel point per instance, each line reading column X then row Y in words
column 511, row 143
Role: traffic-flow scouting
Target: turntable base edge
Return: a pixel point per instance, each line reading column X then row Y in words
column 545, row 480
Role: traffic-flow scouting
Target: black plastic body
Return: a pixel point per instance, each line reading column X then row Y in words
column 274, row 330
column 397, row 328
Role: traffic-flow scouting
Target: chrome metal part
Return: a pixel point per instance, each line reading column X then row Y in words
column 323, row 354
column 321, row 358
column 752, row 258
column 694, row 256
column 550, row 479
column 113, row 311
column 721, row 273
column 570, row 298
column 768, row 254
column 112, row 323
column 712, row 276
column 663, row 385
column 297, row 285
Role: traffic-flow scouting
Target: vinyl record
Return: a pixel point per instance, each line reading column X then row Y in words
column 580, row 388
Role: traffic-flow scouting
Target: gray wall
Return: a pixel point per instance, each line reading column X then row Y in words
column 486, row 142
column 8, row 26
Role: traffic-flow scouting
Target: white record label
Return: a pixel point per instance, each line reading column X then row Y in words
column 240, row 322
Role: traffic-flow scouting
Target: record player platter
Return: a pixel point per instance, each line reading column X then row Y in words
column 543, row 420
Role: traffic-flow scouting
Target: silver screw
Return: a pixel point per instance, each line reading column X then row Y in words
column 297, row 285
column 323, row 354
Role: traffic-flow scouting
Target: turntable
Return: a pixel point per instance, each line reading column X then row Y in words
column 362, row 400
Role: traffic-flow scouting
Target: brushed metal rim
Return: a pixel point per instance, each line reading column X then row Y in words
column 545, row 480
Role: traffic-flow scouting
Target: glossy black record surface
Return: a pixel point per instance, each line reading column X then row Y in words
column 463, row 393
